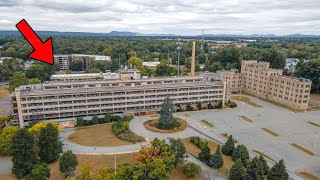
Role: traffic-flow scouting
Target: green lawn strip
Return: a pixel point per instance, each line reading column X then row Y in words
column 225, row 135
column 269, row 131
column 246, row 119
column 302, row 149
column 207, row 123
column 264, row 155
column 314, row 124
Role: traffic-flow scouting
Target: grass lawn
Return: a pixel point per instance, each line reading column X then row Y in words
column 8, row 177
column 246, row 119
column 98, row 135
column 269, row 131
column 245, row 99
column 98, row 162
column 264, row 155
column 302, row 149
column 194, row 150
column 177, row 174
column 225, row 135
column 308, row 176
column 207, row 123
column 3, row 92
column 314, row 124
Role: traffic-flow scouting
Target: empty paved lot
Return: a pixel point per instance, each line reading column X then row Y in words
column 291, row 127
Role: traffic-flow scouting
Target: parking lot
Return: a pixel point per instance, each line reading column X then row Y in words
column 291, row 128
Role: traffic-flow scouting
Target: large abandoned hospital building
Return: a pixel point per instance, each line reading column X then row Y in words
column 68, row 96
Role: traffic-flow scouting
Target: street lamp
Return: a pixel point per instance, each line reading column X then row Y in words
column 240, row 91
column 179, row 49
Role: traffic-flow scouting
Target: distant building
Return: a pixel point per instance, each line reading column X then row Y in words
column 291, row 64
column 64, row 61
column 259, row 79
column 151, row 65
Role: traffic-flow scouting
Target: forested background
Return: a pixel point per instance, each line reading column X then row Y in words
column 139, row 49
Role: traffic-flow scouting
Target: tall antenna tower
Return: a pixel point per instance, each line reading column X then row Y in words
column 202, row 39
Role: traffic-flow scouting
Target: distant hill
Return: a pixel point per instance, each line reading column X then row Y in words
column 134, row 34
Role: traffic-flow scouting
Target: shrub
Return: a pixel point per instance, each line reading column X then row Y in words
column 210, row 106
column 233, row 105
column 85, row 123
column 39, row 172
column 219, row 105
column 80, row 121
column 95, row 120
column 191, row 169
column 107, row 117
column 121, row 130
column 189, row 107
column 115, row 118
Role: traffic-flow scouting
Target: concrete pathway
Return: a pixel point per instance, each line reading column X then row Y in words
column 5, row 165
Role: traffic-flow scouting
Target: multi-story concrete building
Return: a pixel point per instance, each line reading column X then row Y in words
column 64, row 61
column 62, row 101
column 233, row 79
column 259, row 79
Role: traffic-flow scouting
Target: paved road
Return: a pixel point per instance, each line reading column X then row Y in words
column 5, row 165
column 5, row 106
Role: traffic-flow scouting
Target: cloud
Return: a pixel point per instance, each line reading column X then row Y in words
column 185, row 17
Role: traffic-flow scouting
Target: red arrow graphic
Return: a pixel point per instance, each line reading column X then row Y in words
column 42, row 51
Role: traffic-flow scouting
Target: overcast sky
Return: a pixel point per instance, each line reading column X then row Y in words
column 184, row 17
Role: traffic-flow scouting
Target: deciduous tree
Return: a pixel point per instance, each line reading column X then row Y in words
column 49, row 144
column 179, row 150
column 22, row 151
column 39, row 172
column 68, row 163
column 5, row 138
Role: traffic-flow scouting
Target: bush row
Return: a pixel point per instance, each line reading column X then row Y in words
column 121, row 130
column 95, row 120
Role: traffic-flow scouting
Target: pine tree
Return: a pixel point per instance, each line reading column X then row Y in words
column 237, row 171
column 264, row 165
column 228, row 147
column 278, row 172
column 216, row 160
column 240, row 152
column 204, row 154
column 22, row 151
column 49, row 144
column 255, row 171
column 167, row 120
